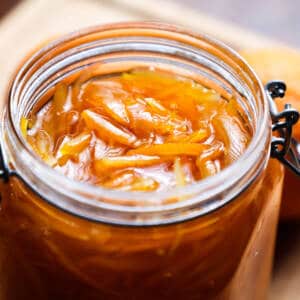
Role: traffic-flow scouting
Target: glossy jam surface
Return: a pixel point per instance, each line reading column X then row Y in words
column 140, row 130
column 144, row 130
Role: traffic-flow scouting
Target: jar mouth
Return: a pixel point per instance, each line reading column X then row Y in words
column 133, row 207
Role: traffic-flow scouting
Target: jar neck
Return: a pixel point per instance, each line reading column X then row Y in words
column 120, row 47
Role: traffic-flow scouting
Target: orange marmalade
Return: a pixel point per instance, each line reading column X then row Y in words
column 137, row 107
column 141, row 130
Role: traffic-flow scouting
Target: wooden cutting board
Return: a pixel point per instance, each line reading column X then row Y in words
column 34, row 21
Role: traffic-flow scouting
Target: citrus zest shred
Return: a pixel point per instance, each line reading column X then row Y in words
column 141, row 130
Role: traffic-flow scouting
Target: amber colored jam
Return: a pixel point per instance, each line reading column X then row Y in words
column 48, row 254
column 144, row 130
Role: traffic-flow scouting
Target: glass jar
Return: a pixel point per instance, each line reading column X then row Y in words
column 62, row 239
column 290, row 206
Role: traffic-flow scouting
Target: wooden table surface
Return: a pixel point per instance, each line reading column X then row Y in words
column 34, row 21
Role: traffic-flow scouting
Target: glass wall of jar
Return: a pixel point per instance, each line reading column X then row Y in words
column 62, row 239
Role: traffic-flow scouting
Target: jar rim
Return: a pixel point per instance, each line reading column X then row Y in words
column 206, row 188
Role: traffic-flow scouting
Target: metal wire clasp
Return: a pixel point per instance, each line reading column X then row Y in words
column 283, row 146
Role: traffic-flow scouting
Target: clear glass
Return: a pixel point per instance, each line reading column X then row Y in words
column 63, row 240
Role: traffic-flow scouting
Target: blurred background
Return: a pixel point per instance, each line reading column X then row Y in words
column 275, row 18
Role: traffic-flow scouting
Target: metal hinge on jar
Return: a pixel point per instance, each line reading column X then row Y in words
column 283, row 146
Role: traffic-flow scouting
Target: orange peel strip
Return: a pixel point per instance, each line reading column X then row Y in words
column 171, row 149
column 106, row 130
column 118, row 162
